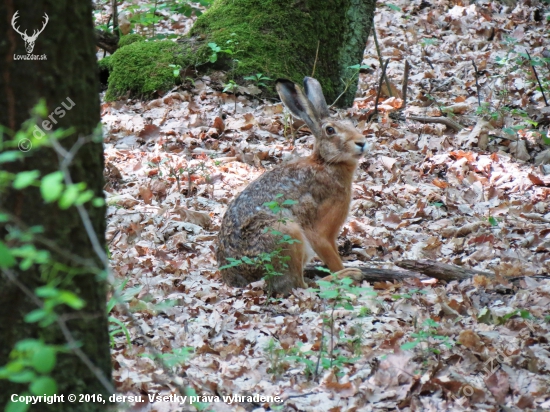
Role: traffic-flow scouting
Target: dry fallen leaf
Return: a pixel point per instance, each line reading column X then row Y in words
column 198, row 218
column 470, row 339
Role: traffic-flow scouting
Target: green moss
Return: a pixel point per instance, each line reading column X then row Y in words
column 143, row 68
column 105, row 63
column 129, row 39
column 279, row 38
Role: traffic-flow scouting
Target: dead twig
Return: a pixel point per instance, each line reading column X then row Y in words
column 429, row 62
column 477, row 85
column 537, row 77
column 315, row 62
column 380, row 88
column 404, row 86
column 106, row 41
column 380, row 59
column 442, row 120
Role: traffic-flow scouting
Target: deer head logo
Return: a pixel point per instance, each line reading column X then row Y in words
column 29, row 40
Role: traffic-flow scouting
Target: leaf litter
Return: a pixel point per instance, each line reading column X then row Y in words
column 476, row 198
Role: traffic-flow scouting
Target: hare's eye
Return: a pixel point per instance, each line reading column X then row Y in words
column 330, row 130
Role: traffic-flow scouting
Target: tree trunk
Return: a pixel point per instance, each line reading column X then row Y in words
column 279, row 39
column 69, row 77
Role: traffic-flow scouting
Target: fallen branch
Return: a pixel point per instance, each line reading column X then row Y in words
column 369, row 274
column 443, row 120
column 106, row 41
column 413, row 268
column 441, row 271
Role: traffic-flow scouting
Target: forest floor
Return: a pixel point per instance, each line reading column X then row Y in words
column 477, row 198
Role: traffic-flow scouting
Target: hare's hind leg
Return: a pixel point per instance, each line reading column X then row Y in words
column 292, row 268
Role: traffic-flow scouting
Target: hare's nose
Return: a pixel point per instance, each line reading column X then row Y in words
column 361, row 145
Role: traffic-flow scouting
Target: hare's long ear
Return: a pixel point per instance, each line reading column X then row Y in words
column 296, row 101
column 314, row 93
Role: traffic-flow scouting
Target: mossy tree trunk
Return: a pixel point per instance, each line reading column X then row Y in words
column 278, row 38
column 281, row 38
column 68, row 75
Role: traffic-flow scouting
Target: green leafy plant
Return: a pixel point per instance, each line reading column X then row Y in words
column 176, row 71
column 427, row 336
column 409, row 294
column 517, row 62
column 522, row 313
column 52, row 297
column 276, row 206
column 494, row 221
column 339, row 293
column 304, row 356
column 144, row 15
column 178, row 356
column 485, row 110
column 354, row 340
column 232, row 87
column 147, row 15
column 200, row 406
column 116, row 326
column 427, row 41
column 185, row 7
column 259, row 79
column 229, row 49
column 352, row 73
column 364, row 312
column 276, row 357
column 215, row 50
column 273, row 262
column 392, row 7
column 31, row 362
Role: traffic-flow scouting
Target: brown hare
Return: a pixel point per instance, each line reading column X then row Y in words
column 320, row 185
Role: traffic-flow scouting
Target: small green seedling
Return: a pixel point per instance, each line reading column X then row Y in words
column 427, row 335
column 259, row 79
column 176, row 71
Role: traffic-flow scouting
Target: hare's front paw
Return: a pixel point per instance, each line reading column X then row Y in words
column 354, row 273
